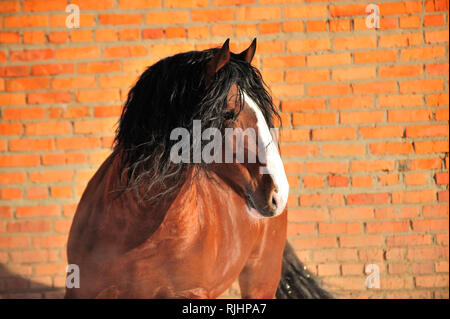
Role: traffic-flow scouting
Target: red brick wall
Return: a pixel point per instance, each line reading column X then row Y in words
column 366, row 117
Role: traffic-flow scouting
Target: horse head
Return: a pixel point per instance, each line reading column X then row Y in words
column 256, row 171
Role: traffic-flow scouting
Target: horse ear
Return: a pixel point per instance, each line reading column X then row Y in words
column 248, row 54
column 221, row 59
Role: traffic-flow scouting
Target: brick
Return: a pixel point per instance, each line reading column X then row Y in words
column 52, row 69
column 331, row 89
column 415, row 179
column 425, row 163
column 421, row 196
column 315, row 242
column 426, row 130
column 10, row 6
column 400, row 40
column 154, row 33
column 37, row 193
column 410, row 22
column 311, row 11
column 12, row 178
column 73, row 143
column 400, row 71
column 48, row 128
column 409, row 240
column 254, row 13
column 23, row 113
column 51, row 176
column 436, row 36
column 343, row 149
column 328, row 59
column 441, row 178
column 21, row 145
column 361, row 241
column 19, row 160
column 362, row 181
column 21, row 84
column 431, row 147
column 347, row 10
column 38, row 226
column 433, row 20
column 145, row 4
column 361, row 117
column 303, row 105
column 350, row 74
column 18, row 21
column 421, row 85
column 10, row 194
column 74, row 82
column 179, row 17
column 339, row 25
column 14, row 71
column 375, row 56
column 99, row 67
column 338, row 181
column 125, row 51
column 292, row 26
column 94, row 5
column 316, row 26
column 269, row 28
column 313, row 182
column 97, row 95
column 437, row 68
column 9, row 37
column 12, row 242
column 94, row 126
column 30, row 256
column 400, row 100
column 61, row 191
column 432, row 281
column 374, row 87
column 334, row 134
column 104, row 35
column 326, row 167
column 425, row 53
column 429, row 225
column 308, row 45
column 58, row 37
column 381, row 132
column 391, row 148
column 34, row 37
column 409, row 115
column 77, row 53
column 299, row 150
column 284, row 61
column 368, row 199
column 350, row 43
column 387, row 227
column 301, row 119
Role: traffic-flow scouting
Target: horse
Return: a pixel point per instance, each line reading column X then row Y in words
column 148, row 226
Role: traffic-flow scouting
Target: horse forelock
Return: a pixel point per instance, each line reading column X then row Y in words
column 171, row 94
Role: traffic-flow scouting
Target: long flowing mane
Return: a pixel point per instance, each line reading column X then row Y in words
column 170, row 94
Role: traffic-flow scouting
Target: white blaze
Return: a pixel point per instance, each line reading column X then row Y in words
column 274, row 165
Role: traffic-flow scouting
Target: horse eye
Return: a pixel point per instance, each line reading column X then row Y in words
column 229, row 115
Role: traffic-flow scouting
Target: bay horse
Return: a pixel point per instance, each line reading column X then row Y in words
column 147, row 227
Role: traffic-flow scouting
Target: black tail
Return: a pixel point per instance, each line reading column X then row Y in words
column 296, row 281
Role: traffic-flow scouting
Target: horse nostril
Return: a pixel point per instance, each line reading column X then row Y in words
column 274, row 202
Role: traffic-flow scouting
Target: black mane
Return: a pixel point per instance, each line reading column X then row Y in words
column 170, row 94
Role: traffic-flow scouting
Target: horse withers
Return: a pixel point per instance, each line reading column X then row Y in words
column 156, row 224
